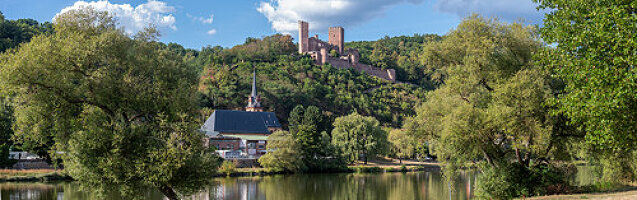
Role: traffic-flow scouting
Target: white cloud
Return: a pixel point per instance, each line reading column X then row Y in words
column 284, row 14
column 133, row 19
column 503, row 9
column 212, row 31
column 204, row 20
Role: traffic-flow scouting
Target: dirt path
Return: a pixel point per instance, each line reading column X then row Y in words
column 628, row 195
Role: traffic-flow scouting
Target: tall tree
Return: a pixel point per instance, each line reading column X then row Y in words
column 120, row 108
column 357, row 135
column 595, row 55
column 491, row 108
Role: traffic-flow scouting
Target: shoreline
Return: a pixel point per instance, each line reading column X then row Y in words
column 350, row 169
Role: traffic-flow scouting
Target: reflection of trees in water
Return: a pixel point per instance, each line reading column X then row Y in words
column 418, row 185
column 412, row 185
column 34, row 191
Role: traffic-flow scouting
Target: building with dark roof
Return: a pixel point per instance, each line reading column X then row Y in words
column 241, row 134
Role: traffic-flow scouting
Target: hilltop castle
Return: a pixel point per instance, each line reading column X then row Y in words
column 320, row 51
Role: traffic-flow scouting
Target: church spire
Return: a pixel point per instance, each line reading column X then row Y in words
column 254, row 101
column 254, row 83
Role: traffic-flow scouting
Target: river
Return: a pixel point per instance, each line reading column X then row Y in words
column 399, row 186
column 411, row 185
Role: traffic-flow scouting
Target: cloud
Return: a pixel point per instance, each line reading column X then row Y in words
column 133, row 19
column 284, row 14
column 504, row 9
column 204, row 20
column 212, row 31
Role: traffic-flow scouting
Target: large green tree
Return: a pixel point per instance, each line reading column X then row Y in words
column 595, row 55
column 492, row 107
column 358, row 135
column 120, row 109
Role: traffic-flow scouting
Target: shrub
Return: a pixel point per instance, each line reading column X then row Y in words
column 513, row 180
column 227, row 168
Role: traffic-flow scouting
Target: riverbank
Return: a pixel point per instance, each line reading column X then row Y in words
column 33, row 175
column 376, row 166
column 624, row 195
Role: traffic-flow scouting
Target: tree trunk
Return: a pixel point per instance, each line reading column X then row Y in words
column 168, row 192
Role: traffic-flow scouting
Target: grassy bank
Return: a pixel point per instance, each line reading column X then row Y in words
column 33, row 175
column 629, row 193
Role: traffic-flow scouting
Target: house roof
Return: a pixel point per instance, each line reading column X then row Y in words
column 231, row 121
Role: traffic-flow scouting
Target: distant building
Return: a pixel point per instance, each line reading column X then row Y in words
column 320, row 52
column 241, row 134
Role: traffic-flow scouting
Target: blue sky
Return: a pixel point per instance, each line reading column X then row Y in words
column 199, row 23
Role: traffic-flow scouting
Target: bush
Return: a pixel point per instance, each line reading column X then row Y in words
column 227, row 168
column 508, row 181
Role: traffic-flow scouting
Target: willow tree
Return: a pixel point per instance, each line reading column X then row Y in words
column 357, row 135
column 118, row 110
column 595, row 54
column 492, row 106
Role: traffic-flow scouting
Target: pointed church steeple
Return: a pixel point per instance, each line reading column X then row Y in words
column 254, row 101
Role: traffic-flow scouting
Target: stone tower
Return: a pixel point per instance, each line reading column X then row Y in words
column 254, row 101
column 336, row 35
column 303, row 37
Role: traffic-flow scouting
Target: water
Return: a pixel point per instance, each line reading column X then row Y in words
column 403, row 186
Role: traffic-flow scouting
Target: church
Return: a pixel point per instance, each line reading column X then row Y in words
column 241, row 134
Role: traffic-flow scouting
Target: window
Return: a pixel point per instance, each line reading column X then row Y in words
column 230, row 146
column 251, row 145
column 261, row 146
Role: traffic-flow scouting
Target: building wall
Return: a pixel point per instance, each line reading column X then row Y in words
column 225, row 144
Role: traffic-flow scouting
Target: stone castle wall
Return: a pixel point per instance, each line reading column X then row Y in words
column 319, row 51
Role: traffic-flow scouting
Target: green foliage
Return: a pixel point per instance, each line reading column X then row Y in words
column 356, row 135
column 284, row 153
column 266, row 49
column 513, row 180
column 400, row 53
column 289, row 81
column 402, row 144
column 6, row 121
column 492, row 108
column 595, row 57
column 15, row 32
column 227, row 168
column 5, row 161
column 119, row 107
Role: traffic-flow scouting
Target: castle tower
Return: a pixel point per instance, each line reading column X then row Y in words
column 336, row 35
column 254, row 101
column 303, row 39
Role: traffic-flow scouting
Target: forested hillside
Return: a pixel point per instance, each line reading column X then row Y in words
column 286, row 80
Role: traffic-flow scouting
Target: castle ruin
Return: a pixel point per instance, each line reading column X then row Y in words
column 320, row 51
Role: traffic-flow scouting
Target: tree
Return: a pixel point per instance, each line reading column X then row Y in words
column 121, row 109
column 595, row 56
column 402, row 145
column 492, row 107
column 357, row 135
column 284, row 153
column 307, row 127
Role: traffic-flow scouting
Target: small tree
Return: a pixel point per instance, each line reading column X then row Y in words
column 401, row 144
column 284, row 153
column 356, row 135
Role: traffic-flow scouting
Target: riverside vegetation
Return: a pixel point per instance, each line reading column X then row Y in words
column 518, row 103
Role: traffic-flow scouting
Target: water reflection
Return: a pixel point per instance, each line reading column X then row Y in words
column 413, row 185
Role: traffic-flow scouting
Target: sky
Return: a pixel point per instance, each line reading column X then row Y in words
column 199, row 23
